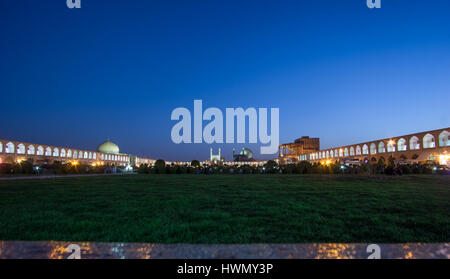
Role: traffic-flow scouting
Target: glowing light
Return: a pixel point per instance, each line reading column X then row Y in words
column 74, row 163
column 444, row 159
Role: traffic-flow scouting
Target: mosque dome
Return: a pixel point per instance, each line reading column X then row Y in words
column 247, row 153
column 108, row 147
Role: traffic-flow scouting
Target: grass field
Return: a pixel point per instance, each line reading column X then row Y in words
column 227, row 209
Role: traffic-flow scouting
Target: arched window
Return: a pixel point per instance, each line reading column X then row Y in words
column 55, row 152
column 1, row 146
column 341, row 152
column 365, row 149
column 102, row 156
column 358, row 150
column 444, row 138
column 90, row 155
column 40, row 151
column 69, row 153
column 331, row 154
column 414, row 143
column 401, row 144
column 85, row 155
column 48, row 151
column 336, row 153
column 391, row 146
column 95, row 156
column 373, row 148
column 346, row 151
column 352, row 151
column 320, row 155
column 428, row 141
column 63, row 153
column 323, row 155
column 31, row 150
column 20, row 148
column 381, row 148
column 9, row 147
column 327, row 154
column 75, row 154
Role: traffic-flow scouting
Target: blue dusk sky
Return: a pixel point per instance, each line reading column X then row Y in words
column 116, row 69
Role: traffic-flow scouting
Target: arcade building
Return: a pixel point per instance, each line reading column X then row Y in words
column 107, row 153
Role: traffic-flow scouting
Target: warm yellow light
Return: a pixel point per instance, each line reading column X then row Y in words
column 74, row 163
column 391, row 142
column 444, row 159
column 328, row 162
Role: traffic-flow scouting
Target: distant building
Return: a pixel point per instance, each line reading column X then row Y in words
column 246, row 155
column 214, row 158
column 289, row 152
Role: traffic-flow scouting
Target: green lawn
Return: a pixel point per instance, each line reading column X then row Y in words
column 227, row 209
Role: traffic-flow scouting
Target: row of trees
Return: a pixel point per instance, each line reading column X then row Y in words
column 271, row 167
column 303, row 167
column 27, row 167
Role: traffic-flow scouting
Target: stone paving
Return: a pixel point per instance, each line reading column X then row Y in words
column 99, row 250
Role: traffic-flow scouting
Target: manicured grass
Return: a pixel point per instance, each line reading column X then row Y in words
column 227, row 209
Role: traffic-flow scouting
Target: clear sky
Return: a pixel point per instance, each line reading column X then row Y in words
column 116, row 69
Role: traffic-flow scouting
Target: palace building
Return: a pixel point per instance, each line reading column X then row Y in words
column 290, row 152
column 108, row 153
column 425, row 147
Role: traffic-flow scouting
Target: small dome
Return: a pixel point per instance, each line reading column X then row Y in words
column 247, row 153
column 108, row 147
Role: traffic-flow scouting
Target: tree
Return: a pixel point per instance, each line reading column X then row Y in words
column 160, row 166
column 195, row 164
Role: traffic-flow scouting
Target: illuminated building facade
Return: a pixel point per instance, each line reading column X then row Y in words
column 431, row 146
column 107, row 154
column 290, row 152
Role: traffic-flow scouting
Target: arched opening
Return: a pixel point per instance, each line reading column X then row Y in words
column 69, row 153
column 20, row 148
column 85, row 155
column 90, row 155
column 381, row 148
column 358, row 150
column 373, row 159
column 55, row 152
column 346, row 152
column 352, row 151
column 95, row 156
column 391, row 146
column 414, row 143
column 31, row 150
column 401, row 144
column 63, row 153
column 75, row 154
column 331, row 154
column 365, row 149
column 40, row 151
column 336, row 153
column 9, row 148
column 444, row 138
column 341, row 152
column 48, row 151
column 1, row 146
column 373, row 148
column 326, row 154
column 428, row 141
